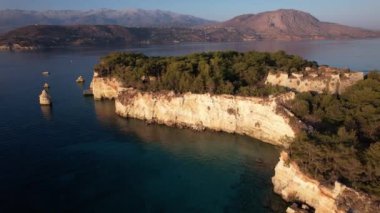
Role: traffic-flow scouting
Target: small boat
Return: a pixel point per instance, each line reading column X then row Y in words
column 80, row 79
column 45, row 73
column 88, row 92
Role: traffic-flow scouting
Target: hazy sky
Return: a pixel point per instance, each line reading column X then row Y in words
column 362, row 13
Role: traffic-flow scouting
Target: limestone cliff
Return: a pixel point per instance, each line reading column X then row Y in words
column 328, row 79
column 105, row 88
column 255, row 117
column 293, row 185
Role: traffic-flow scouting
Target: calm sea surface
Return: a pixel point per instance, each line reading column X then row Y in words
column 78, row 156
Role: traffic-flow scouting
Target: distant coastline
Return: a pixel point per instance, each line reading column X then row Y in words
column 280, row 25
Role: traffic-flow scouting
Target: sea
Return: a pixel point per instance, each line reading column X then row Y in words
column 79, row 156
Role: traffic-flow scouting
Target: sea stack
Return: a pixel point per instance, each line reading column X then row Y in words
column 80, row 79
column 45, row 98
column 46, row 86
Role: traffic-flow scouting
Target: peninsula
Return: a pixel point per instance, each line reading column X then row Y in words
column 330, row 134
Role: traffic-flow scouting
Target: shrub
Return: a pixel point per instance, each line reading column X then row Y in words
column 214, row 72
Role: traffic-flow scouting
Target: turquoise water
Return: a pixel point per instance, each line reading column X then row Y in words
column 78, row 156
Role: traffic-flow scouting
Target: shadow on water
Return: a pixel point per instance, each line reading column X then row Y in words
column 80, row 157
column 255, row 159
column 47, row 112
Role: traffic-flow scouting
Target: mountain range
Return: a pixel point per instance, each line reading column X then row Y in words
column 11, row 19
column 106, row 27
column 292, row 25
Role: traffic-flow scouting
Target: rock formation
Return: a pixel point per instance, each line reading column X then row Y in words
column 293, row 185
column 255, row 117
column 45, row 98
column 46, row 86
column 80, row 79
column 261, row 118
column 105, row 88
column 323, row 79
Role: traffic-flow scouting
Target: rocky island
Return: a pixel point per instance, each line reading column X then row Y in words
column 329, row 126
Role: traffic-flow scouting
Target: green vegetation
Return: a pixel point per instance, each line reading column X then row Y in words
column 345, row 142
column 214, row 72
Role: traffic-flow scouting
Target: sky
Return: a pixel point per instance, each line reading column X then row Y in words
column 361, row 13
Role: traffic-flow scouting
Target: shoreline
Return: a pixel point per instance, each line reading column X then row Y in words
column 137, row 104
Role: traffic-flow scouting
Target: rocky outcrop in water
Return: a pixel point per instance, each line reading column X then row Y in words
column 45, row 98
column 293, row 185
column 80, row 80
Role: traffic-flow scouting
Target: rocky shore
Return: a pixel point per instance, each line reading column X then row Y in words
column 255, row 117
column 261, row 118
column 293, row 185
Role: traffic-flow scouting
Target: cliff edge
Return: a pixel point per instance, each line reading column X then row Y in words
column 293, row 185
column 261, row 118
column 321, row 79
column 105, row 88
column 255, row 117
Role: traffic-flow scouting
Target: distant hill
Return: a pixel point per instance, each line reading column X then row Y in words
column 291, row 25
column 11, row 19
column 53, row 36
column 275, row 25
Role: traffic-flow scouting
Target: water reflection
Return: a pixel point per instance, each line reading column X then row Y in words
column 177, row 140
column 355, row 54
column 247, row 161
column 47, row 112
